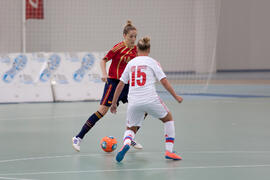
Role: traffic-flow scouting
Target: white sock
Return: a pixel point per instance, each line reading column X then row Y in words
column 128, row 137
column 169, row 135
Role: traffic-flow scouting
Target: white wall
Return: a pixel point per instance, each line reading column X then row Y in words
column 243, row 33
column 97, row 25
column 243, row 38
column 10, row 26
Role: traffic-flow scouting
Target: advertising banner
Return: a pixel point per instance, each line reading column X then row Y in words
column 20, row 82
column 49, row 77
column 78, row 77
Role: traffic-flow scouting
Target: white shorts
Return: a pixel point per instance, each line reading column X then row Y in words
column 136, row 112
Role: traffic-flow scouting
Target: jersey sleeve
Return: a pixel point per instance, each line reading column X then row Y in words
column 125, row 75
column 158, row 71
column 110, row 55
column 113, row 51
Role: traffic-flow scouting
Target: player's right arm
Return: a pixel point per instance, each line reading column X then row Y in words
column 170, row 89
column 103, row 69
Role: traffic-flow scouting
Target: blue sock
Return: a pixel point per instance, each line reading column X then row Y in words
column 89, row 124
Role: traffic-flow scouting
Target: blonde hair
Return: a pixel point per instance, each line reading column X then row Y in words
column 144, row 43
column 128, row 27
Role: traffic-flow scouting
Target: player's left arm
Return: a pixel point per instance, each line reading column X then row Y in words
column 170, row 89
column 116, row 95
column 160, row 75
column 123, row 80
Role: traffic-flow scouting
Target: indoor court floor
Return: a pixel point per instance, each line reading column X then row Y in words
column 219, row 138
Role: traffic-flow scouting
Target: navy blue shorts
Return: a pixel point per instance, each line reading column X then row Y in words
column 109, row 90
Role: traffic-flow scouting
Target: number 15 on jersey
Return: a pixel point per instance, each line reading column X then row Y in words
column 138, row 76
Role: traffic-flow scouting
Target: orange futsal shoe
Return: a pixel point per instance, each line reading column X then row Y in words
column 172, row 155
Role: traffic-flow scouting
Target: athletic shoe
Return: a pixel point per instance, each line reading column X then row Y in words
column 121, row 154
column 136, row 145
column 172, row 155
column 145, row 115
column 76, row 143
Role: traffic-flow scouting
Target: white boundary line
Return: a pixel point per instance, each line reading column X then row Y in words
column 46, row 157
column 55, row 117
column 14, row 178
column 135, row 152
column 45, row 117
column 139, row 169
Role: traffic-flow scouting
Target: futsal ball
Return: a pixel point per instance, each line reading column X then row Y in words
column 108, row 143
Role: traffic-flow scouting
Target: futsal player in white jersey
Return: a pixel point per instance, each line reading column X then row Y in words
column 141, row 73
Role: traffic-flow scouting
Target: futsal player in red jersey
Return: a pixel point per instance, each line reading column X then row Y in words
column 120, row 55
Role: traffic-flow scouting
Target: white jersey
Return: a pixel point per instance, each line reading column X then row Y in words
column 141, row 74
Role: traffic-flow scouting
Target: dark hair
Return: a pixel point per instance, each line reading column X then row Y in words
column 128, row 27
column 144, row 43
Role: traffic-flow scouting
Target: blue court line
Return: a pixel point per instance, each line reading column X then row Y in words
column 220, row 95
column 228, row 95
column 242, row 70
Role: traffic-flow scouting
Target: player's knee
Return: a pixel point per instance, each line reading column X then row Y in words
column 133, row 128
column 167, row 118
column 103, row 110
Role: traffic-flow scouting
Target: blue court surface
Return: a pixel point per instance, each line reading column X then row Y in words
column 220, row 135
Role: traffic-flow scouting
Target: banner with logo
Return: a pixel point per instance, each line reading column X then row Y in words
column 78, row 77
column 48, row 77
column 19, row 79
column 34, row 9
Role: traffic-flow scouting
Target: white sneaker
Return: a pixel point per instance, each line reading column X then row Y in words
column 136, row 145
column 76, row 143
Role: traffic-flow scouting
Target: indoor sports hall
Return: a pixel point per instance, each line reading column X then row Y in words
column 215, row 53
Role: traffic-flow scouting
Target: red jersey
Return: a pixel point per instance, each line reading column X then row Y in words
column 120, row 55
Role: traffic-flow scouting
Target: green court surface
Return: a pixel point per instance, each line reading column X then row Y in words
column 218, row 138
